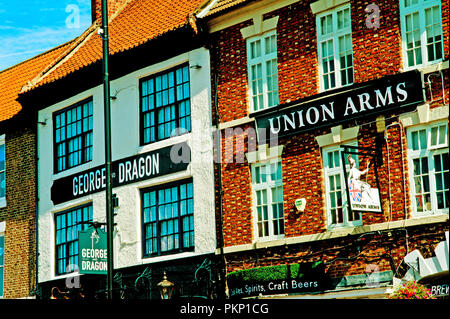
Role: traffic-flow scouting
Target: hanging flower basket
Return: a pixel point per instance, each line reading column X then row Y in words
column 412, row 290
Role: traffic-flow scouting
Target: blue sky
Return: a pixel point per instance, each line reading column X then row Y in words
column 30, row 27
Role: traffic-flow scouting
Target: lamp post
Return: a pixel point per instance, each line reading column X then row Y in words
column 107, row 110
column 165, row 288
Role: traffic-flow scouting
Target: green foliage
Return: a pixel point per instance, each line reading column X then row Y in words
column 412, row 290
column 270, row 273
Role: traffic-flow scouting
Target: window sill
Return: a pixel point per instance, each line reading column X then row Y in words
column 168, row 253
column 233, row 123
column 430, row 67
column 430, row 214
column 253, row 113
column 163, row 258
column 173, row 140
column 73, row 170
column 330, row 90
column 269, row 242
column 343, row 226
column 67, row 275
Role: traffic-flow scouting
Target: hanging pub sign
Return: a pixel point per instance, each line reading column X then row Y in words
column 403, row 90
column 92, row 251
column 361, row 195
column 132, row 169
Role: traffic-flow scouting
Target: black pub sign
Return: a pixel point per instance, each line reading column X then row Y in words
column 132, row 169
column 403, row 90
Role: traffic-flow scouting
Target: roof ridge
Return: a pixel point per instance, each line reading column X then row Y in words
column 36, row 56
column 185, row 15
column 78, row 43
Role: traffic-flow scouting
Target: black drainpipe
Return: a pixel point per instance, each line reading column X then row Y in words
column 222, row 267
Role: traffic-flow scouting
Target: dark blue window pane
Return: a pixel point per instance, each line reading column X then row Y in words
column 162, row 211
column 74, row 135
column 170, row 89
column 67, row 226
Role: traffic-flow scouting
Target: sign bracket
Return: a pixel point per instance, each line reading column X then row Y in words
column 95, row 224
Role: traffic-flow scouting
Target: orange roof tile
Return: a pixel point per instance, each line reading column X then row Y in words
column 15, row 77
column 137, row 23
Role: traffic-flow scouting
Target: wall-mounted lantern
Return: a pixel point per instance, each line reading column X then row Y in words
column 165, row 288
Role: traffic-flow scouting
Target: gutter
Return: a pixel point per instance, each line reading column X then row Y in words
column 204, row 8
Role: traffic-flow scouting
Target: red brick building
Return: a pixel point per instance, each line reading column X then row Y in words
column 18, row 180
column 323, row 74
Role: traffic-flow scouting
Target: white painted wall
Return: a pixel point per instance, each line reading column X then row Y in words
column 125, row 142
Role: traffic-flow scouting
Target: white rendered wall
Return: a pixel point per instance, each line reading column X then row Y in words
column 125, row 142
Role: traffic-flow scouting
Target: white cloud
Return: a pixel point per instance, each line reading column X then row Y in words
column 42, row 25
column 19, row 44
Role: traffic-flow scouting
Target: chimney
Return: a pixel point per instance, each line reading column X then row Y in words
column 113, row 6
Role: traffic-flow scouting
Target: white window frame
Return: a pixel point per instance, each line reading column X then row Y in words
column 429, row 152
column 3, row 198
column 334, row 36
column 262, row 60
column 420, row 7
column 267, row 186
column 327, row 172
